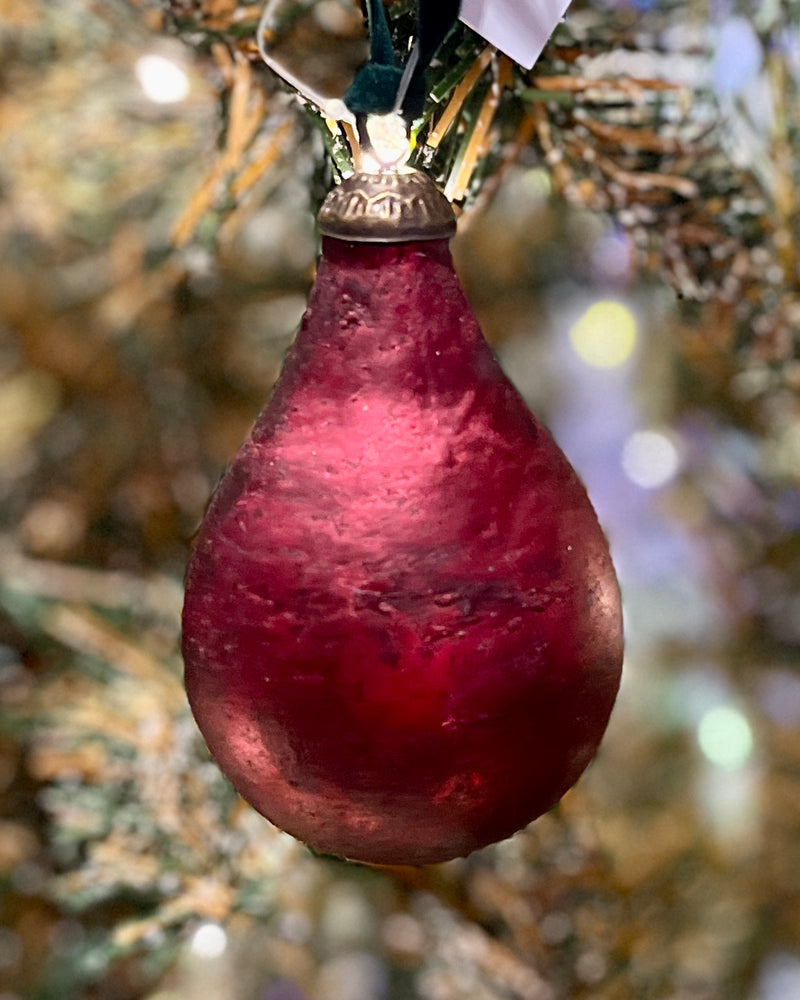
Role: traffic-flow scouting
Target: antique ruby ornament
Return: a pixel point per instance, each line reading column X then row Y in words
column 402, row 628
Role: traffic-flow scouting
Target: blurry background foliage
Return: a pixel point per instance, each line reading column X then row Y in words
column 629, row 238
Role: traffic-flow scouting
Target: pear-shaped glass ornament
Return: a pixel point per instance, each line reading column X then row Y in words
column 402, row 628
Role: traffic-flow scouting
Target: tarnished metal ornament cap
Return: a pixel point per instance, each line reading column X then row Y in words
column 391, row 207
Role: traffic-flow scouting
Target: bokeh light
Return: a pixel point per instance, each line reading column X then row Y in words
column 605, row 335
column 779, row 977
column 612, row 259
column 162, row 80
column 738, row 56
column 725, row 737
column 650, row 459
column 209, row 941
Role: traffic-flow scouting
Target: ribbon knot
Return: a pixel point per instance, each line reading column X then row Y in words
column 382, row 85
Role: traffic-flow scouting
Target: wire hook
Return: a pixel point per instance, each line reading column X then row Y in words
column 333, row 108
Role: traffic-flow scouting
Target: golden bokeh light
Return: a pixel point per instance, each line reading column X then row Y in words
column 604, row 336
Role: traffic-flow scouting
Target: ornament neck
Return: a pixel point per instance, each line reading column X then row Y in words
column 382, row 318
column 391, row 207
column 359, row 256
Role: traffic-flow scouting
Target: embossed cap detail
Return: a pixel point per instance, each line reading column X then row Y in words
column 387, row 208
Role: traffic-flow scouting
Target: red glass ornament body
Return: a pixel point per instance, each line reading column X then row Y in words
column 402, row 628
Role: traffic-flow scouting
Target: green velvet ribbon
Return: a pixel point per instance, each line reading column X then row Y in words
column 382, row 85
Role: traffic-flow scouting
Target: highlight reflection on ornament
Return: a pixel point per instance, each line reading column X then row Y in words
column 402, row 628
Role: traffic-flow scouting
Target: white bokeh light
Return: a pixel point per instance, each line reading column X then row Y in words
column 725, row 737
column 209, row 941
column 650, row 459
column 779, row 977
column 162, row 80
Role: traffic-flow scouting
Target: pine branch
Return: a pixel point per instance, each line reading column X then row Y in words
column 648, row 153
column 144, row 826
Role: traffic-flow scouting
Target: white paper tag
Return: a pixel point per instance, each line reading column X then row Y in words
column 520, row 28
